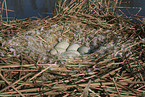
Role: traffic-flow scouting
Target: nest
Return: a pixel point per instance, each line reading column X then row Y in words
column 114, row 66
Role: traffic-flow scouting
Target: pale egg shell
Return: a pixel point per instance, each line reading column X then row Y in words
column 63, row 45
column 71, row 53
column 53, row 52
column 73, row 47
column 60, row 50
column 83, row 50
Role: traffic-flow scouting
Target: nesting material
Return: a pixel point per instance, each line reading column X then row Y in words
column 118, row 60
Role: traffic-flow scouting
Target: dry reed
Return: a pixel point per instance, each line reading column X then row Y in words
column 93, row 76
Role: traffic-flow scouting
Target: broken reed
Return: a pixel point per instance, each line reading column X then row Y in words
column 92, row 7
column 4, row 3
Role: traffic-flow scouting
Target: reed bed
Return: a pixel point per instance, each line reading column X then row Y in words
column 114, row 67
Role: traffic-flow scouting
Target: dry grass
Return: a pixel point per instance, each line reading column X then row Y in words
column 91, row 76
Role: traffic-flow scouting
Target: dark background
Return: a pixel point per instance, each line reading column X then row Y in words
column 41, row 8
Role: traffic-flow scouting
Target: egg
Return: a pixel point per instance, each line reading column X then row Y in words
column 73, row 47
column 60, row 50
column 83, row 50
column 71, row 53
column 62, row 45
column 53, row 52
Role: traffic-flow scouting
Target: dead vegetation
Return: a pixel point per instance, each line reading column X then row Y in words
column 92, row 76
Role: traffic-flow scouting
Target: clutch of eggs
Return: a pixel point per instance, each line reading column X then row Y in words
column 64, row 49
